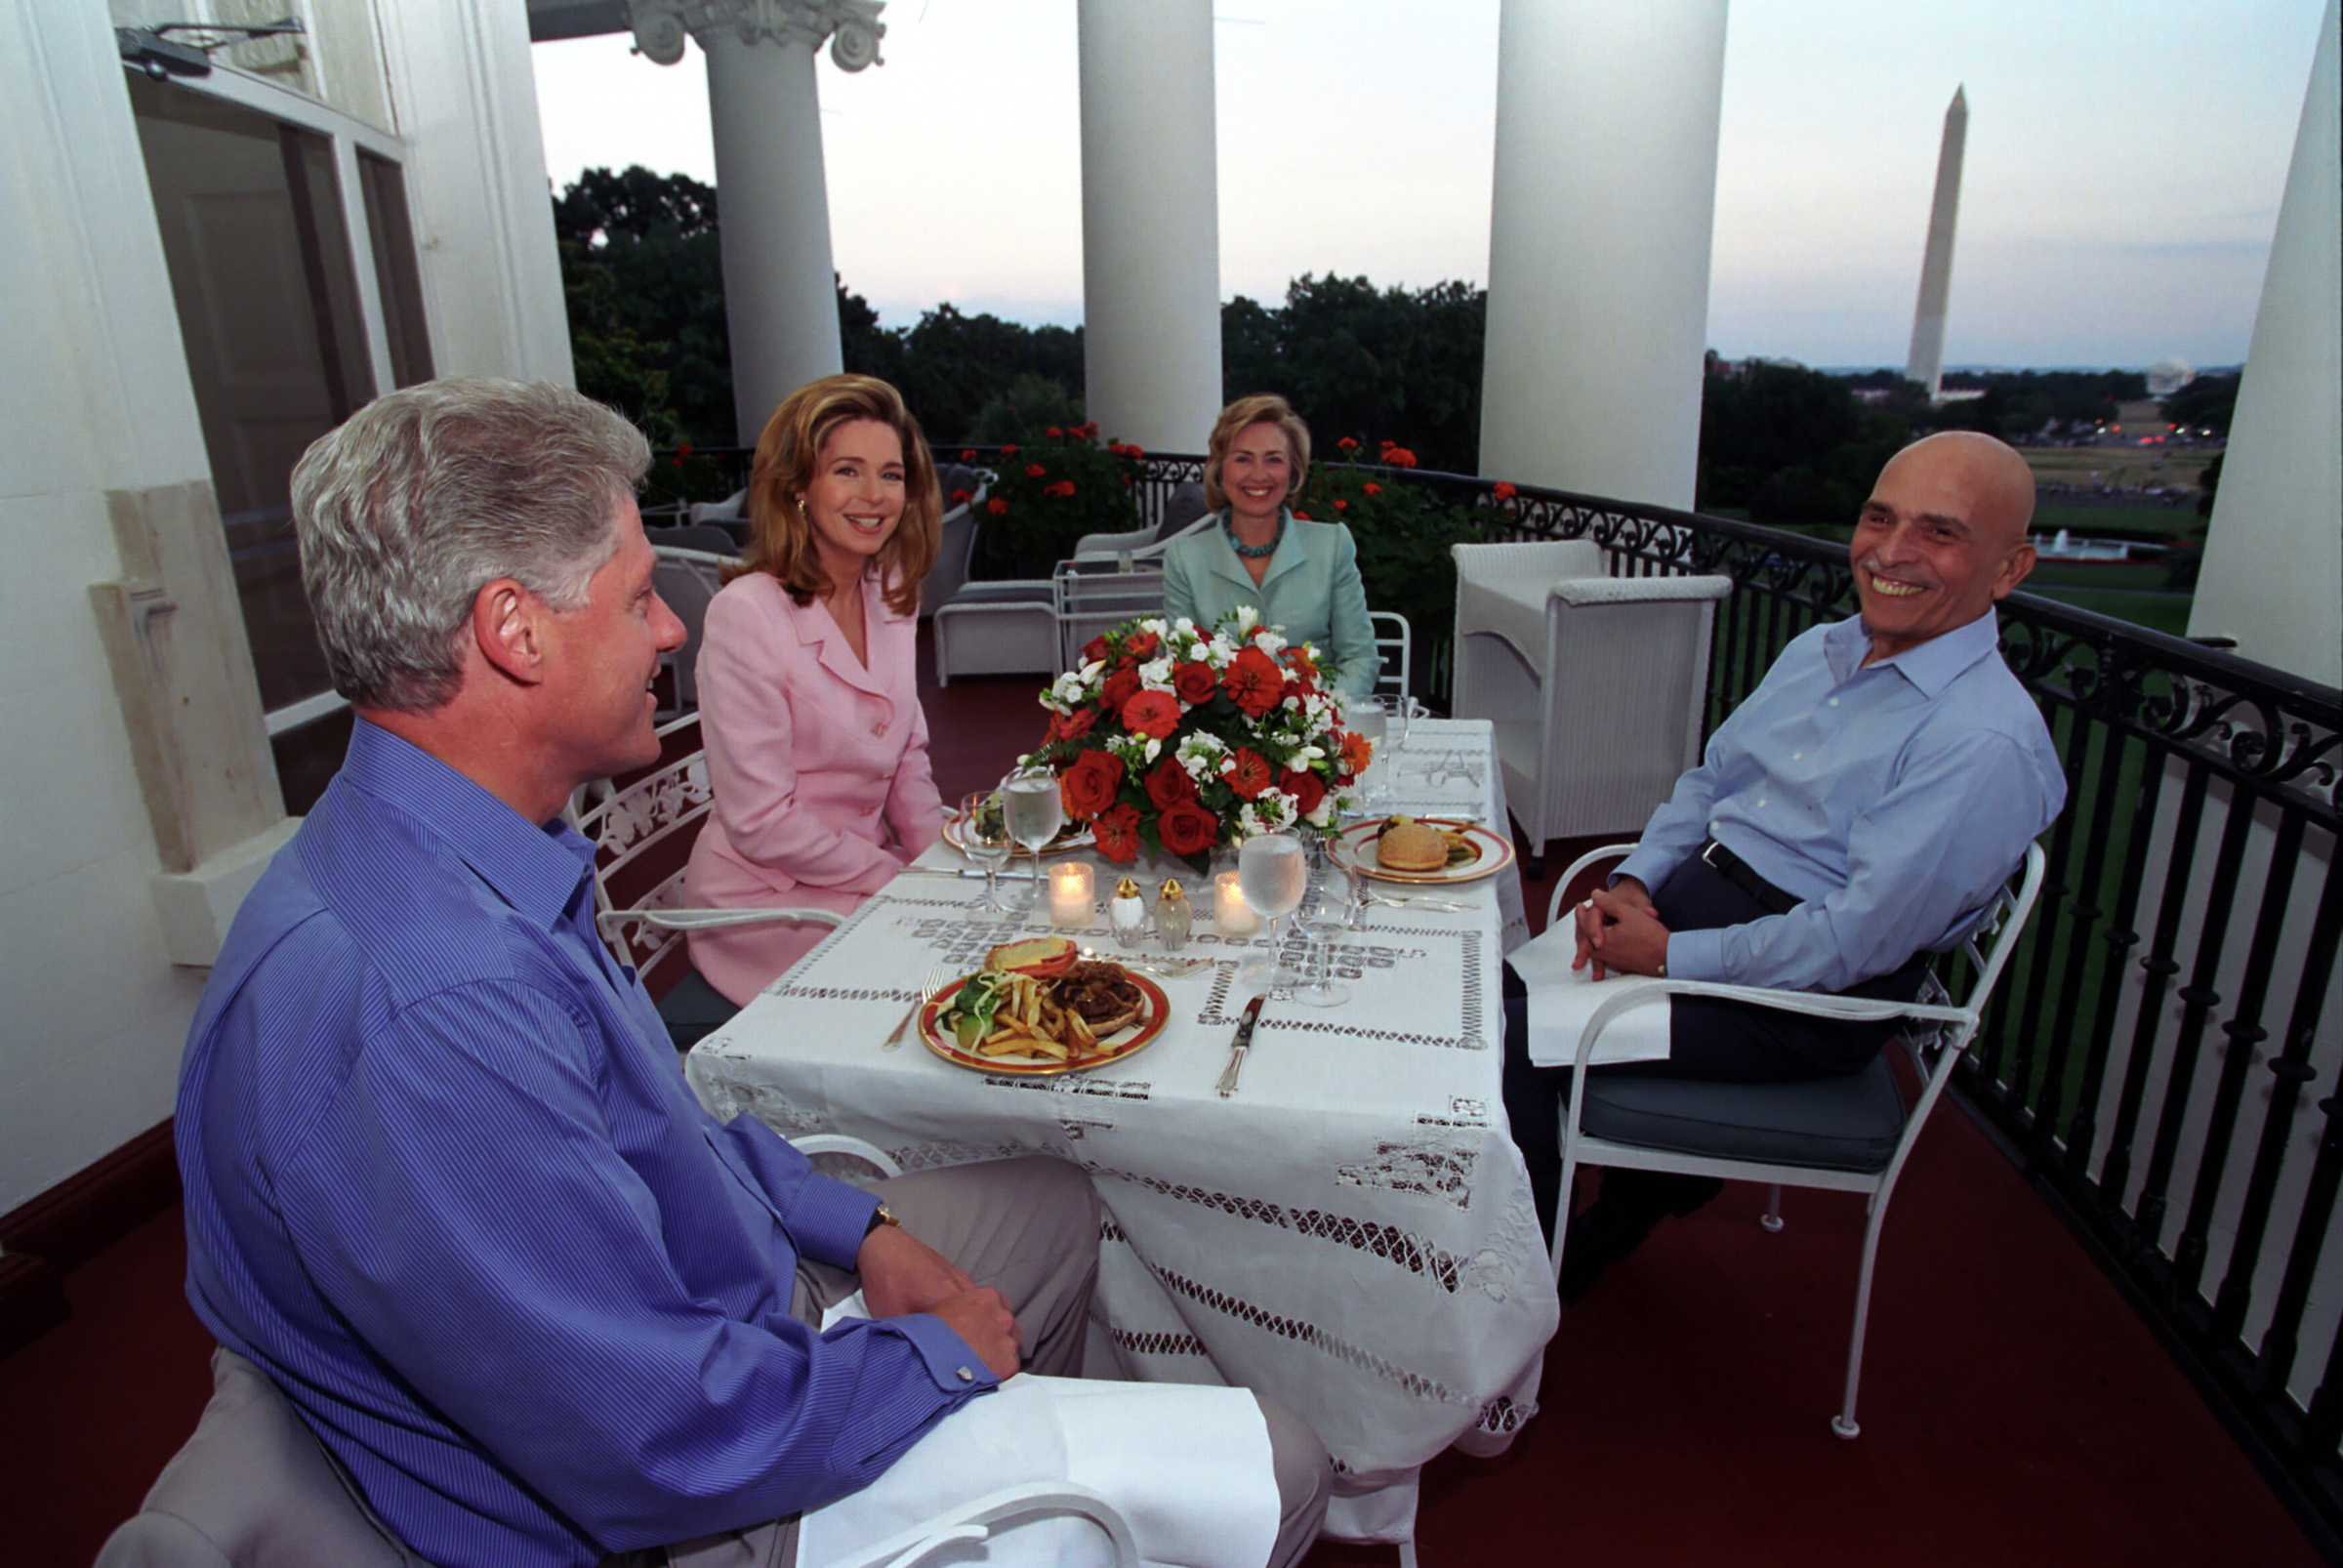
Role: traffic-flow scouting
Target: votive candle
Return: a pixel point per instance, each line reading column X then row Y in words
column 1073, row 895
column 1230, row 912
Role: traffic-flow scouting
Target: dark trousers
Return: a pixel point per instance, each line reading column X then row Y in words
column 1708, row 1040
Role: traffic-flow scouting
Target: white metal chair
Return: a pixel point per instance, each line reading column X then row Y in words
column 1849, row 1133
column 950, row 574
column 642, row 834
column 1394, row 646
column 687, row 580
column 1184, row 513
column 1099, row 598
column 1594, row 683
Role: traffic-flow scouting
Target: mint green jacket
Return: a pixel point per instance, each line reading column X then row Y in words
column 1311, row 593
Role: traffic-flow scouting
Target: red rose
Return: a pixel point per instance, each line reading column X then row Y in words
column 1187, row 828
column 1143, row 645
column 1248, row 772
column 1089, row 787
column 1094, row 650
column 1117, row 833
column 1252, row 681
column 1374, row 488
column 1306, row 788
column 1503, row 491
column 996, row 507
column 1034, row 470
column 1122, row 684
column 1168, row 784
column 1195, row 681
column 1152, row 713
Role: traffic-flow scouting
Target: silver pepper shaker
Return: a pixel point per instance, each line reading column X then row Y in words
column 1175, row 917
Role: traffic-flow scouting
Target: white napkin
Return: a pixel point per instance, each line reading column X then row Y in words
column 1188, row 1468
column 1562, row 998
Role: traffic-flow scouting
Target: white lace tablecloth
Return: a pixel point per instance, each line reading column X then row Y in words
column 1350, row 1233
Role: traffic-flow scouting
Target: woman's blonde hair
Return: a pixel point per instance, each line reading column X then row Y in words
column 1262, row 408
column 781, row 537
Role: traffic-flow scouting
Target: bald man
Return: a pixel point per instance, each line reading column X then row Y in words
column 1854, row 816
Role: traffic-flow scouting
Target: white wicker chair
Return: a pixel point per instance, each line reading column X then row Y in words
column 1594, row 683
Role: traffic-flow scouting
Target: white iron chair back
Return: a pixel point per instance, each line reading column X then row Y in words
column 1934, row 1052
column 1394, row 647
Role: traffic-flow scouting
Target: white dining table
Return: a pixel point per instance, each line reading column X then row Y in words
column 1350, row 1232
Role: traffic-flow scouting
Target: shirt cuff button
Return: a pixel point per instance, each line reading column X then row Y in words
column 966, row 1375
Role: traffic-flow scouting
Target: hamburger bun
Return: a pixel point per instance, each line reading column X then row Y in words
column 1406, row 845
column 1044, row 957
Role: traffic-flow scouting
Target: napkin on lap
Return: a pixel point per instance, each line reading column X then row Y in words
column 1562, row 998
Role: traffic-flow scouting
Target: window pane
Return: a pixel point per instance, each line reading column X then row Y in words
column 400, row 282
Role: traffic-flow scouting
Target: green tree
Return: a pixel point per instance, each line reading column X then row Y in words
column 654, row 240
column 2208, row 402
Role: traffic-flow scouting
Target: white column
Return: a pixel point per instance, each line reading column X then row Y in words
column 1927, row 362
column 2273, row 574
column 1598, row 244
column 780, row 289
column 1150, row 223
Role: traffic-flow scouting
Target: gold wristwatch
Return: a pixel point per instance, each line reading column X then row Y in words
column 881, row 1215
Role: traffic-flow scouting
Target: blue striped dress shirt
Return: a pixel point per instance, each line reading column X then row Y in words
column 445, row 1183
column 1892, row 799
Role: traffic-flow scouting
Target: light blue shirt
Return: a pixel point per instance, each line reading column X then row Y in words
column 1892, row 801
column 1311, row 593
column 446, row 1185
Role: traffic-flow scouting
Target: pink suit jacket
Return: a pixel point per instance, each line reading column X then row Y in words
column 823, row 790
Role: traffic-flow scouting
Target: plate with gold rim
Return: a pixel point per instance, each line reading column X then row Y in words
column 1475, row 851
column 1117, row 1046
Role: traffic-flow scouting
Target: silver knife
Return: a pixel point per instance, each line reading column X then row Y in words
column 1237, row 1050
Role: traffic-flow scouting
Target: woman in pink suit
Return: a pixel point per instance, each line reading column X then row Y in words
column 817, row 749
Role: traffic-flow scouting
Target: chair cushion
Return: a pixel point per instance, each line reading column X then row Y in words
column 692, row 1010
column 251, row 1488
column 1848, row 1123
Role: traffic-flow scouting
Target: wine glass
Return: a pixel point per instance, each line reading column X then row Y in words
column 1273, row 875
column 1365, row 717
column 985, row 839
column 1336, row 911
column 1030, row 804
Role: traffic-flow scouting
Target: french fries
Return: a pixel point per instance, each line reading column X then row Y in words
column 1027, row 1024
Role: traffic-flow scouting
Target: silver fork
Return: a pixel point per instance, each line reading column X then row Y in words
column 939, row 976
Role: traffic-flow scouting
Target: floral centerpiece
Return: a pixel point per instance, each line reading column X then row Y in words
column 1172, row 740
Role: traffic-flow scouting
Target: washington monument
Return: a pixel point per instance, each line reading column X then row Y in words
column 1926, row 364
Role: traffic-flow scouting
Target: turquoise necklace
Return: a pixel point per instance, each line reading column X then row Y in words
column 1253, row 551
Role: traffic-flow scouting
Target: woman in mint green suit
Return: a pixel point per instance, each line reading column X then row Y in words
column 1303, row 577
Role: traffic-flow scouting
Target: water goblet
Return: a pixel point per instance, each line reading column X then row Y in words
column 1367, row 718
column 1334, row 912
column 1029, row 802
column 985, row 839
column 1273, row 875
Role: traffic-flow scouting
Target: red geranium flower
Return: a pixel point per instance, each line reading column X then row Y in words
column 682, row 449
column 1357, row 753
column 1347, row 445
column 1152, row 713
column 1399, row 457
column 1064, row 487
column 1071, row 726
column 1168, row 784
column 1248, row 772
column 1374, row 488
column 967, row 454
column 958, row 496
column 1252, row 681
column 1187, row 828
column 1007, row 451
column 1122, row 684
column 996, row 507
column 1307, row 789
column 1195, row 681
column 1503, row 491
column 1034, row 470
column 1301, row 517
column 1117, row 833
column 1088, row 786
column 1341, row 505
column 1054, row 434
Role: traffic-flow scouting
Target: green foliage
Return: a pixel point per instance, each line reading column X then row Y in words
column 1403, row 534
column 954, row 364
column 1048, row 494
column 2208, row 402
column 1791, row 445
column 1352, row 358
column 646, row 287
column 1025, row 411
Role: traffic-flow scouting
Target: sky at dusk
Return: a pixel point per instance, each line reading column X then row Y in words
column 2122, row 177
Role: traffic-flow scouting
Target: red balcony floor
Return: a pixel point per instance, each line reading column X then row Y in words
column 2014, row 1408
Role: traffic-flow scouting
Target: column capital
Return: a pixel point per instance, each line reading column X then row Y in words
column 852, row 26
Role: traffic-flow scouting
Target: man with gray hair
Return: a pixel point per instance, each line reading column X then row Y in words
column 444, row 1182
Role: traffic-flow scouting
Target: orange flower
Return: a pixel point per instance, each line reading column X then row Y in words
column 1117, row 833
column 1357, row 753
column 1152, row 713
column 1503, row 491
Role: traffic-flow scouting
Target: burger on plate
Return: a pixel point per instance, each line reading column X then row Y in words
column 1105, row 995
column 1407, row 845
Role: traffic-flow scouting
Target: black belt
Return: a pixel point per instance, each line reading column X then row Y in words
column 1736, row 871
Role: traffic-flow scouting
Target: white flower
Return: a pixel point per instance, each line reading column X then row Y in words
column 1156, row 674
column 1066, row 691
column 1184, row 626
column 1322, row 815
column 1155, row 624
column 1268, row 641
column 1155, row 747
column 1092, row 671
column 1305, row 756
column 1293, row 704
column 1246, row 618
